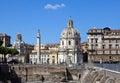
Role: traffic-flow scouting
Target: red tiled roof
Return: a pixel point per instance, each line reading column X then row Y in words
column 116, row 31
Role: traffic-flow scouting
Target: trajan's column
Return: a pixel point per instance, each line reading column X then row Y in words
column 38, row 48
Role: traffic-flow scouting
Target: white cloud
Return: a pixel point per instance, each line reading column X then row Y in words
column 54, row 7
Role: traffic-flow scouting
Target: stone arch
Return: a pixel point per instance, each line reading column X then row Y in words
column 110, row 81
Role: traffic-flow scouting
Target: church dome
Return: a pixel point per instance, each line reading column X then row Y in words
column 70, row 31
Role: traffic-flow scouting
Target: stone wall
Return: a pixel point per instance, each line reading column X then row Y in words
column 29, row 73
column 8, row 75
column 39, row 73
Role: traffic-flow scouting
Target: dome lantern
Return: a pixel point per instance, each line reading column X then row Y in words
column 70, row 23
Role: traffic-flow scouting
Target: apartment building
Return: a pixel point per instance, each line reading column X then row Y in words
column 6, row 40
column 104, row 45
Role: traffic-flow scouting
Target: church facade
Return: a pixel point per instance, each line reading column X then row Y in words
column 70, row 46
column 67, row 51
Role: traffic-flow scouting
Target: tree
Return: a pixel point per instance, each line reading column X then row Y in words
column 4, row 51
column 13, row 51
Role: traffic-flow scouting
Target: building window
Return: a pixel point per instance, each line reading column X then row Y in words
column 92, row 46
column 53, row 59
column 91, row 30
column 42, row 60
column 91, row 40
column 103, row 46
column 117, row 46
column 110, row 52
column 116, row 41
column 109, row 41
column 96, row 45
column 53, row 56
column 48, row 61
column 62, row 42
column 36, row 61
column 69, row 33
column 60, row 61
column 103, row 52
column 76, row 42
column 110, row 57
column 69, row 42
column 95, row 40
column 110, row 46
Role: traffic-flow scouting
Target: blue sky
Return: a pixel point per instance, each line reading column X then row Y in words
column 51, row 16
